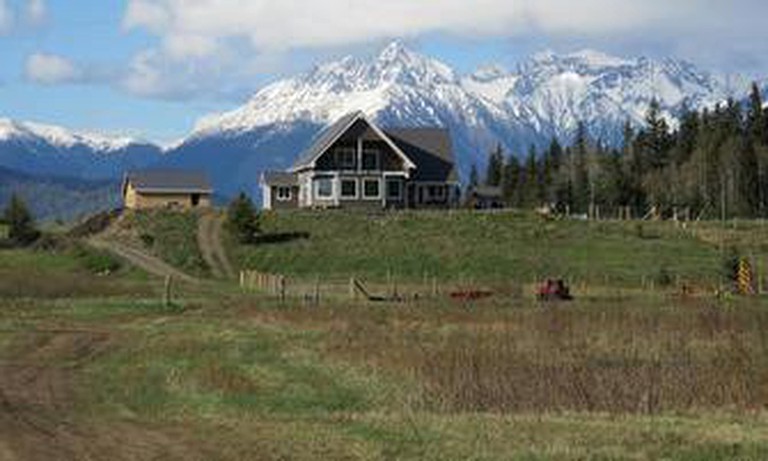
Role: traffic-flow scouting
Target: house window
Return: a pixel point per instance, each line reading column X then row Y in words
column 394, row 189
column 345, row 158
column 324, row 187
column 371, row 160
column 284, row 194
column 436, row 192
column 349, row 188
column 371, row 189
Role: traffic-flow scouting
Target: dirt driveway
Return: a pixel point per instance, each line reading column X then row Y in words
column 39, row 418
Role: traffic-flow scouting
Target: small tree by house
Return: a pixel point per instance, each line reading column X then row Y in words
column 21, row 225
column 243, row 219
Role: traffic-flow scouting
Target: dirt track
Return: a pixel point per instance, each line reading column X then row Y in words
column 147, row 262
column 39, row 418
column 209, row 234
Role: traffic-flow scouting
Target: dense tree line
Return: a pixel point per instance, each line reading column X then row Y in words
column 714, row 164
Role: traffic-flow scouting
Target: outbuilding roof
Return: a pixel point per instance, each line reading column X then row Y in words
column 279, row 178
column 169, row 181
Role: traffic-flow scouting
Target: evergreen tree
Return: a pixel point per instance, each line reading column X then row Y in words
column 654, row 139
column 21, row 225
column 531, row 193
column 757, row 130
column 756, row 120
column 243, row 219
column 580, row 171
column 511, row 181
column 495, row 168
column 474, row 179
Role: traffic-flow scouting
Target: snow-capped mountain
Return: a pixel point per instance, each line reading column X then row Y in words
column 51, row 150
column 546, row 97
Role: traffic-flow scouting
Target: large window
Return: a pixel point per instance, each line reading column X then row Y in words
column 324, row 187
column 371, row 160
column 345, row 158
column 394, row 189
column 349, row 188
column 371, row 188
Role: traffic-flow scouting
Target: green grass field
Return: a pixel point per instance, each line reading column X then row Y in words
column 485, row 248
column 93, row 365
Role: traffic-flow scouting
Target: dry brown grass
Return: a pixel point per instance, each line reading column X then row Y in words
column 590, row 358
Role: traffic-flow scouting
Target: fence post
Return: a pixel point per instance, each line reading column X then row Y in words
column 167, row 292
column 434, row 287
column 317, row 291
column 352, row 291
column 282, row 289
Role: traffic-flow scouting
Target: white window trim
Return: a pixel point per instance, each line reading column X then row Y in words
column 341, row 189
column 284, row 198
column 371, row 197
column 316, row 188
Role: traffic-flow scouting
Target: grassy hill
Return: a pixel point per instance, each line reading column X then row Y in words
column 483, row 247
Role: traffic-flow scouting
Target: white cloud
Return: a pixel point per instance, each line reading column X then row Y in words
column 6, row 17
column 49, row 69
column 204, row 44
column 147, row 13
column 36, row 12
column 285, row 24
column 190, row 46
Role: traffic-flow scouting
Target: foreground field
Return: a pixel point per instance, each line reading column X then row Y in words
column 243, row 380
column 95, row 365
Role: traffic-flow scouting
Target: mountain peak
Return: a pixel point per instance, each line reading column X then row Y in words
column 396, row 50
column 61, row 137
column 585, row 59
column 596, row 58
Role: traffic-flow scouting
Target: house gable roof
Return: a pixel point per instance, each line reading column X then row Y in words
column 168, row 181
column 431, row 150
column 327, row 137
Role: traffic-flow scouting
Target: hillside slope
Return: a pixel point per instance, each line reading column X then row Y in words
column 51, row 197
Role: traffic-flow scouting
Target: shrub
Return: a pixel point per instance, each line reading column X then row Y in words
column 21, row 226
column 97, row 262
column 664, row 277
column 243, row 219
column 147, row 239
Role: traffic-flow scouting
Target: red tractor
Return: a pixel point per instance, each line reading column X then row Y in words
column 554, row 290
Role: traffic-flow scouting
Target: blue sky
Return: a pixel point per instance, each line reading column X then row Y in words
column 150, row 68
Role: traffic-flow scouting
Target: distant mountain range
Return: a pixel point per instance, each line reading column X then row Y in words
column 546, row 97
column 54, row 198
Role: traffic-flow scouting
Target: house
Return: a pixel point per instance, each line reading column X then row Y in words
column 486, row 197
column 354, row 164
column 166, row 188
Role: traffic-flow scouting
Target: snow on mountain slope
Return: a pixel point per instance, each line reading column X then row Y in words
column 546, row 97
column 36, row 148
column 61, row 137
column 401, row 83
